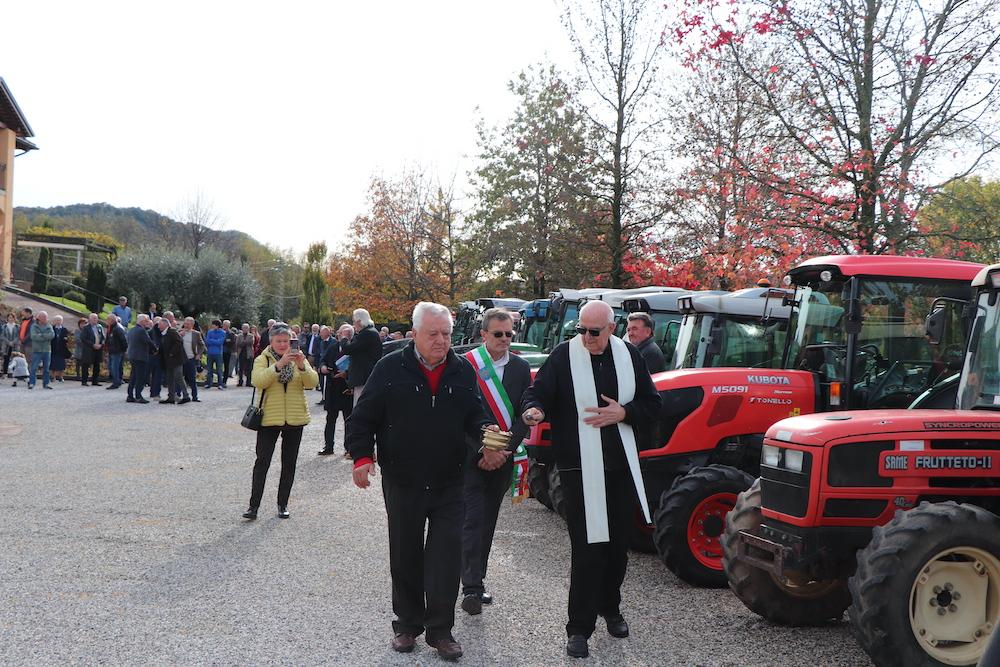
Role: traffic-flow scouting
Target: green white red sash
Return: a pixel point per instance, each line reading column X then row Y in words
column 491, row 387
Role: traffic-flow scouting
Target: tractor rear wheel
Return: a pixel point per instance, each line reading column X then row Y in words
column 927, row 587
column 785, row 601
column 538, row 482
column 556, row 494
column 691, row 519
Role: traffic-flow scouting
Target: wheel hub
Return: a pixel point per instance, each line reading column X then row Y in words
column 706, row 525
column 954, row 604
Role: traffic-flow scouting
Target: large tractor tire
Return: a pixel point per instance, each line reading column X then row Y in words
column 927, row 587
column 556, row 495
column 538, row 482
column 690, row 520
column 786, row 601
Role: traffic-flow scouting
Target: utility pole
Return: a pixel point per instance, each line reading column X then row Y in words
column 279, row 304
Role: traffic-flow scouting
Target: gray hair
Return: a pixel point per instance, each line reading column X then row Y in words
column 141, row 318
column 429, row 309
column 602, row 305
column 498, row 314
column 643, row 317
column 58, row 318
column 361, row 315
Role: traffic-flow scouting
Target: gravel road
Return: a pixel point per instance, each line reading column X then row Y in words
column 122, row 544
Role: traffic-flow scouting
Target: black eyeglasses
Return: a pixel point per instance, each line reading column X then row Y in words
column 501, row 334
column 593, row 332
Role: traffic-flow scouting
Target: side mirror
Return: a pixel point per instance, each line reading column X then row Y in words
column 934, row 325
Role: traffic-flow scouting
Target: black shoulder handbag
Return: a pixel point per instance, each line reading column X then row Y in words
column 254, row 416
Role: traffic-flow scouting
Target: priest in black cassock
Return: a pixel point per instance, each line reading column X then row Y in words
column 604, row 380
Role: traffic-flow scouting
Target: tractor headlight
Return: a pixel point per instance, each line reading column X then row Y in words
column 770, row 455
column 793, row 460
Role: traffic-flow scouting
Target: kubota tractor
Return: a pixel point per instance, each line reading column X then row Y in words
column 891, row 514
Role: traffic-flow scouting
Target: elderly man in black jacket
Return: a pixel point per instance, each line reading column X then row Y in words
column 600, row 401
column 502, row 377
column 421, row 409
column 365, row 349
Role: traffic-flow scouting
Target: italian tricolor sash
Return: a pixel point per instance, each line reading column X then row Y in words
column 491, row 387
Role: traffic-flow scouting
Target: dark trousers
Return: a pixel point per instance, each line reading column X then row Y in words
column 137, row 382
column 191, row 376
column 425, row 570
column 244, row 367
column 87, row 368
column 335, row 405
column 483, row 493
column 155, row 377
column 597, row 570
column 227, row 362
column 173, row 377
column 267, row 437
column 6, row 359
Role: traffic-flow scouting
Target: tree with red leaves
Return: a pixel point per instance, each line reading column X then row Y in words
column 874, row 105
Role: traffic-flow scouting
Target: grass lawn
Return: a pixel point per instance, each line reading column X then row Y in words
column 77, row 306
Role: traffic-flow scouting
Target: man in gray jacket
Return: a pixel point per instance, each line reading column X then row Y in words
column 41, row 334
column 140, row 350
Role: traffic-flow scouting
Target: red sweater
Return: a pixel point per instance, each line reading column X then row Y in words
column 433, row 379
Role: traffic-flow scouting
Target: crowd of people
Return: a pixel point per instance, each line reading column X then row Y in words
column 420, row 411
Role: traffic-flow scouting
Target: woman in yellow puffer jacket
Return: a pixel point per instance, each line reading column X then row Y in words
column 282, row 374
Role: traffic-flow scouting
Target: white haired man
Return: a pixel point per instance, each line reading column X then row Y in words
column 600, row 401
column 421, row 410
column 364, row 351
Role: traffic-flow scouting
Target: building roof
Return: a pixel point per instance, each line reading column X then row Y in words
column 12, row 116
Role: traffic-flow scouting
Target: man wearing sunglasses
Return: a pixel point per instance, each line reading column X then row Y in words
column 600, row 401
column 502, row 379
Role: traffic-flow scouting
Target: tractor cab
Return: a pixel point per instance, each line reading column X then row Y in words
column 745, row 329
column 979, row 386
column 531, row 332
column 664, row 309
column 468, row 323
column 857, row 323
column 564, row 308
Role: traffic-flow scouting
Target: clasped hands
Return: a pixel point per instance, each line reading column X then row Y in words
column 609, row 415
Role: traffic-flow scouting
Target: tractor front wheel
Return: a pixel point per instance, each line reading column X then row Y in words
column 690, row 520
column 927, row 587
column 787, row 601
column 538, row 482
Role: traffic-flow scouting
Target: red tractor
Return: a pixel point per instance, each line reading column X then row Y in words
column 854, row 340
column 890, row 514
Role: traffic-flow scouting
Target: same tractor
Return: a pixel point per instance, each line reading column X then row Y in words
column 891, row 515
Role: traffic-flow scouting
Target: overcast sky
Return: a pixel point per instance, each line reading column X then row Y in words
column 279, row 113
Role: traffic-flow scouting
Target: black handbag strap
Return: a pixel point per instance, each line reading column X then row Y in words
column 254, row 396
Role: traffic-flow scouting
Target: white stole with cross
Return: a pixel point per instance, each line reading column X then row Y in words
column 595, row 500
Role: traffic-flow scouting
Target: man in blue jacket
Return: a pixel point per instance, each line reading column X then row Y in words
column 215, row 342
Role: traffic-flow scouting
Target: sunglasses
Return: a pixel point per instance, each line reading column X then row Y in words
column 593, row 332
column 501, row 334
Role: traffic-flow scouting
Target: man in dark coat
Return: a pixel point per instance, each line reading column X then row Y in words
column 92, row 352
column 337, row 397
column 595, row 366
column 155, row 359
column 140, row 350
column 421, row 409
column 364, row 350
column 173, row 356
column 640, row 334
column 503, row 378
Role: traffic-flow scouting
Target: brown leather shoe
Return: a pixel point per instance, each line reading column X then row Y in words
column 447, row 648
column 403, row 643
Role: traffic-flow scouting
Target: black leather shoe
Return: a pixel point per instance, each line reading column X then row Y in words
column 486, row 598
column 447, row 648
column 168, row 401
column 472, row 605
column 183, row 401
column 403, row 643
column 617, row 627
column 250, row 513
column 576, row 647
column 130, row 400
column 141, row 400
column 325, row 452
column 283, row 512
